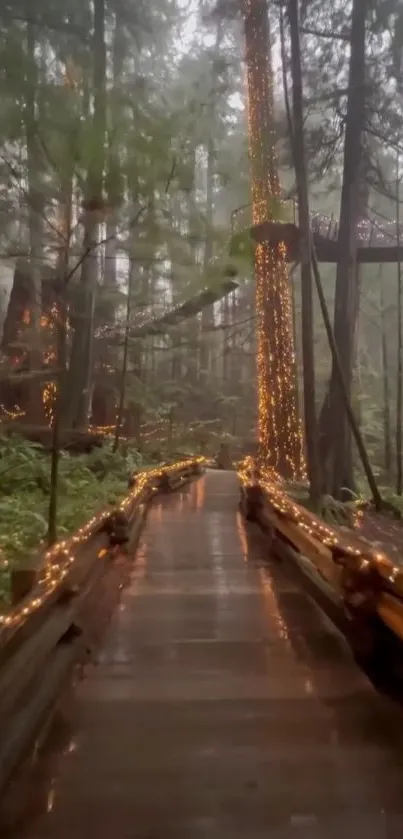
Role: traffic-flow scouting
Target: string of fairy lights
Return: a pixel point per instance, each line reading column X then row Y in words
column 368, row 232
column 355, row 547
column 280, row 432
column 154, row 431
column 143, row 321
column 59, row 559
column 48, row 322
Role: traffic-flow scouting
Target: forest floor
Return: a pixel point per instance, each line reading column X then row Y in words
column 384, row 532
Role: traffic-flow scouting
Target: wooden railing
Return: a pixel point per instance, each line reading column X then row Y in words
column 370, row 232
column 55, row 625
column 359, row 586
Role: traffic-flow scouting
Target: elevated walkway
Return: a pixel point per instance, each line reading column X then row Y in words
column 222, row 705
column 326, row 247
column 377, row 242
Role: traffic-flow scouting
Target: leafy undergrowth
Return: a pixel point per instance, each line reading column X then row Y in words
column 87, row 484
column 384, row 529
column 332, row 511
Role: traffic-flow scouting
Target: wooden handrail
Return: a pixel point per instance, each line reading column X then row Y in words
column 358, row 572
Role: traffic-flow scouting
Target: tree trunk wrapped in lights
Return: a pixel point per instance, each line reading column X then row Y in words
column 280, row 435
column 18, row 337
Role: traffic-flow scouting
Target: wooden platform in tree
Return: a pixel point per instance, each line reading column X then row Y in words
column 375, row 244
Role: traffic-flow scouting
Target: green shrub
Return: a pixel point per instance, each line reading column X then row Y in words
column 87, row 483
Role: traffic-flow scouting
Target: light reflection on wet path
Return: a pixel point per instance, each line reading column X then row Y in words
column 223, row 704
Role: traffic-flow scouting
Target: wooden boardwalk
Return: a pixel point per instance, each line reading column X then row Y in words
column 223, row 705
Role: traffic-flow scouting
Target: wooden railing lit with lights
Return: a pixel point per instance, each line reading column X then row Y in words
column 57, row 623
column 363, row 581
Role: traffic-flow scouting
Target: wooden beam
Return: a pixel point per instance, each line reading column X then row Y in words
column 326, row 249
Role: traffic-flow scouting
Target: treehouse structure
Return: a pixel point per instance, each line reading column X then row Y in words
column 16, row 377
column 15, row 374
column 376, row 243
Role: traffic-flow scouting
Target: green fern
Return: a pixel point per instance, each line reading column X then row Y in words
column 337, row 512
column 87, row 484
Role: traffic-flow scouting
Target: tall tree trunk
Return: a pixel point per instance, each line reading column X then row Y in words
column 298, row 148
column 135, row 409
column 399, row 383
column 187, row 349
column 280, row 438
column 346, row 400
column 226, row 323
column 113, row 173
column 123, row 377
column 81, row 361
column 103, row 398
column 61, row 360
column 346, row 296
column 35, row 407
column 207, row 316
column 387, row 435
